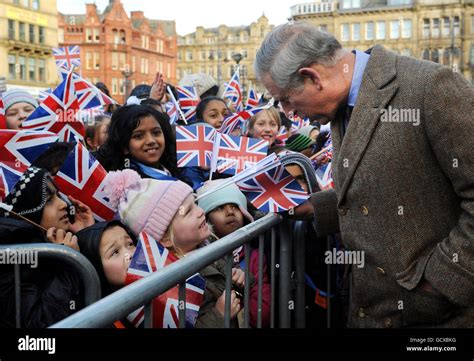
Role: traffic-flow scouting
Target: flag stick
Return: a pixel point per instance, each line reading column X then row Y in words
column 320, row 152
column 8, row 209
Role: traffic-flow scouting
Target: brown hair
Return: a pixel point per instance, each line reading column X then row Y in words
column 272, row 112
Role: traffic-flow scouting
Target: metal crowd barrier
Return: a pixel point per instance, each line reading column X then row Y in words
column 54, row 252
column 121, row 303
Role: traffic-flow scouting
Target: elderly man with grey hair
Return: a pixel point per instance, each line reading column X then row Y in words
column 403, row 167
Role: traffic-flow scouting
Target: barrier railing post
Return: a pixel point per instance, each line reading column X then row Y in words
column 260, row 280
column 272, row 277
column 247, row 287
column 148, row 321
column 285, row 274
column 182, row 304
column 17, row 295
column 299, row 246
column 328, row 287
column 228, row 289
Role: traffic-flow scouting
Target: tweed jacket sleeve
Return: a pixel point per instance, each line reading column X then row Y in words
column 449, row 109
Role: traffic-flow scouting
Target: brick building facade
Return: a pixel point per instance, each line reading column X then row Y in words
column 116, row 47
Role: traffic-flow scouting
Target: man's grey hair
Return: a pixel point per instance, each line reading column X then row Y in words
column 290, row 47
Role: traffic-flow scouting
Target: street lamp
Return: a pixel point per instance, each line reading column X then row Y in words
column 237, row 58
column 127, row 74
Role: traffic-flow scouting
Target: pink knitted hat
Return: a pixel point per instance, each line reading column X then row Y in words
column 145, row 204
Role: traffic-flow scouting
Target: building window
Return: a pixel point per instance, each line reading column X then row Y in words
column 189, row 55
column 22, row 31
column 114, row 86
column 11, row 29
column 406, row 29
column 394, row 29
column 456, row 26
column 96, row 60
column 323, row 27
column 446, row 54
column 245, row 53
column 435, row 29
column 471, row 58
column 426, row 54
column 122, row 60
column 115, row 35
column 133, row 63
column 25, row 3
column 35, row 4
column 115, row 61
column 356, row 31
column 88, row 60
column 32, row 33
column 123, row 37
column 446, row 26
column 350, row 4
column 88, row 35
column 22, row 61
column 32, row 69
column 11, row 66
column 369, row 30
column 406, row 52
column 380, row 30
column 41, row 70
column 344, row 32
column 472, row 24
column 41, row 35
column 426, row 28
column 435, row 56
column 122, row 86
column 168, row 70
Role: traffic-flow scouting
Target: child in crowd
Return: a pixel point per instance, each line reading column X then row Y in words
column 96, row 134
column 212, row 110
column 265, row 125
column 52, row 291
column 140, row 138
column 226, row 211
column 110, row 247
column 167, row 212
column 18, row 104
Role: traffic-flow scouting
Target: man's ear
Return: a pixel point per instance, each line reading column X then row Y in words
column 311, row 74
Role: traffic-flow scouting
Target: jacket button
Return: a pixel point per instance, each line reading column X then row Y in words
column 364, row 210
column 342, row 211
column 381, row 271
column 361, row 313
column 388, row 322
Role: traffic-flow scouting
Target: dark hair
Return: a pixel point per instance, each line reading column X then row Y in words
column 54, row 156
column 102, row 87
column 124, row 121
column 89, row 243
column 141, row 91
column 92, row 130
column 201, row 107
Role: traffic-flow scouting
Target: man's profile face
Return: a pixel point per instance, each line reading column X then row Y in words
column 306, row 101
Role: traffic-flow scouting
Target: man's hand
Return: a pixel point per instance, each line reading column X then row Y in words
column 303, row 212
column 234, row 304
column 238, row 277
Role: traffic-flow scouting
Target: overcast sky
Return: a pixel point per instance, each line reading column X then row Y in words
column 191, row 13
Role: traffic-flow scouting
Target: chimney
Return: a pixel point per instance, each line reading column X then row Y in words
column 137, row 15
column 91, row 9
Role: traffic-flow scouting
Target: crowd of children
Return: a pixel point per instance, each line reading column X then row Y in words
column 136, row 144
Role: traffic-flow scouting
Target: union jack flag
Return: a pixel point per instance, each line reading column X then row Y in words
column 18, row 150
column 252, row 100
column 43, row 94
column 150, row 256
column 172, row 112
column 324, row 176
column 82, row 177
column 274, row 190
column 238, row 153
column 233, row 92
column 194, row 145
column 239, row 120
column 188, row 101
column 283, row 135
column 3, row 121
column 67, row 57
column 297, row 122
column 57, row 113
